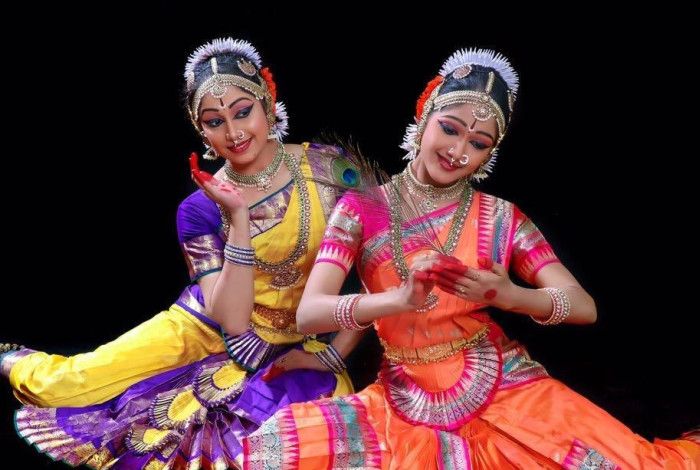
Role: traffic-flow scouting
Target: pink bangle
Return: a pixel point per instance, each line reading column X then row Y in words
column 344, row 313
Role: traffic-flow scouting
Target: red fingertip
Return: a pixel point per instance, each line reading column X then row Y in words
column 194, row 161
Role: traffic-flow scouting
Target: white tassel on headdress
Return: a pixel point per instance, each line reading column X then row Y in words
column 485, row 58
column 281, row 127
column 409, row 141
column 473, row 56
column 220, row 46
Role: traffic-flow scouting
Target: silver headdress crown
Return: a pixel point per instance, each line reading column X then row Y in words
column 249, row 64
column 458, row 66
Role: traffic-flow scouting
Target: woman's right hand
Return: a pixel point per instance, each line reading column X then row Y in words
column 221, row 192
column 418, row 286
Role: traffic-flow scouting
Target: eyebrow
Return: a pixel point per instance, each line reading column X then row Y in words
column 467, row 126
column 229, row 106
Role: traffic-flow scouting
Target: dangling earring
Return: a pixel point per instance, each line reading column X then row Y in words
column 482, row 172
column 272, row 133
column 209, row 153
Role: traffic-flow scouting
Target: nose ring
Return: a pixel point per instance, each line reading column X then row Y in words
column 464, row 161
column 240, row 136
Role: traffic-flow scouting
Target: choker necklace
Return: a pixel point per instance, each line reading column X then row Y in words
column 427, row 194
column 261, row 180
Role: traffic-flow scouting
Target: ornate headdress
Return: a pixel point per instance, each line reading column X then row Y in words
column 480, row 77
column 230, row 62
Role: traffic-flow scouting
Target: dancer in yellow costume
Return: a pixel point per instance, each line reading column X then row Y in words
column 175, row 390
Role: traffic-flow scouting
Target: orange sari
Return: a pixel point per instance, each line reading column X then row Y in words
column 453, row 392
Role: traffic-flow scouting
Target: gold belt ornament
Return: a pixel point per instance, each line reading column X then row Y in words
column 432, row 353
column 280, row 319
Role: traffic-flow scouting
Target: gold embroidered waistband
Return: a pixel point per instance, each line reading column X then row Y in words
column 276, row 336
column 280, row 319
column 432, row 353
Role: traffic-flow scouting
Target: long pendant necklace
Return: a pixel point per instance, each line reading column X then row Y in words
column 285, row 273
column 458, row 219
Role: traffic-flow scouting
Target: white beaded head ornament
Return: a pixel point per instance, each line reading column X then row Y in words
column 203, row 74
column 481, row 77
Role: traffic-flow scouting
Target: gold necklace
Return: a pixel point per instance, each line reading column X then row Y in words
column 397, row 252
column 428, row 194
column 285, row 273
column 261, row 180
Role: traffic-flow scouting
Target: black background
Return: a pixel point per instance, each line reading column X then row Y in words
column 98, row 141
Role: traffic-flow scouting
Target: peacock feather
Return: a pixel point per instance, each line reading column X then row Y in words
column 351, row 170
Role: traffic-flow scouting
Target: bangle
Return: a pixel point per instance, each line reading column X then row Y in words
column 561, row 307
column 344, row 313
column 239, row 256
column 330, row 358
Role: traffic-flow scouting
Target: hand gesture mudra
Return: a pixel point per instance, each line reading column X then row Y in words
column 221, row 192
column 490, row 284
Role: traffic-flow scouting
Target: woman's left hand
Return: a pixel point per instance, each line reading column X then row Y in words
column 490, row 284
column 294, row 359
